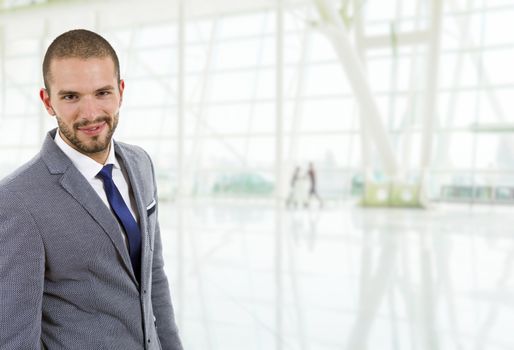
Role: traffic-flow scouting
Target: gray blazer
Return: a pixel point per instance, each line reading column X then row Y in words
column 66, row 280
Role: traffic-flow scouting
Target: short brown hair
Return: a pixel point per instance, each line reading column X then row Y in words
column 78, row 43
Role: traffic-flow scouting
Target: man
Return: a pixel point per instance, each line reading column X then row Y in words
column 81, row 262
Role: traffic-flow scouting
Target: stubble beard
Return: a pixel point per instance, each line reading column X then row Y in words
column 95, row 144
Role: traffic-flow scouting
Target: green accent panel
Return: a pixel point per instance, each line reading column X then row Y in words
column 375, row 195
column 391, row 195
column 405, row 196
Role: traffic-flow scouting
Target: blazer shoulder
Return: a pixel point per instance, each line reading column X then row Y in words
column 14, row 212
column 23, row 177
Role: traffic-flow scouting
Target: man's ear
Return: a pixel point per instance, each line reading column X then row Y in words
column 45, row 98
column 122, row 88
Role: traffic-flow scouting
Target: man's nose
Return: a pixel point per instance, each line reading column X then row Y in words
column 88, row 108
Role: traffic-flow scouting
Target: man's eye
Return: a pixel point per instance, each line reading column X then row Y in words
column 104, row 93
column 69, row 97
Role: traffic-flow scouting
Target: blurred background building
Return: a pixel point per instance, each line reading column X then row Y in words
column 406, row 110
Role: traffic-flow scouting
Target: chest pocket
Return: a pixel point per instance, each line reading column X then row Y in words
column 151, row 213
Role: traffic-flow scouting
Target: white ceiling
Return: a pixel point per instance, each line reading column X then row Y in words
column 53, row 17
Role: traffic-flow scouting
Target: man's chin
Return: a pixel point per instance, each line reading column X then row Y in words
column 94, row 146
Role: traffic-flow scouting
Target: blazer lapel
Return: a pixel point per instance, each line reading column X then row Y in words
column 79, row 188
column 137, row 188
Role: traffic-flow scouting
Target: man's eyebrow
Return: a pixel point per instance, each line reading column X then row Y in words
column 105, row 88
column 67, row 92
column 71, row 92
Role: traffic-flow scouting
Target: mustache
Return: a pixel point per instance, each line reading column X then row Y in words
column 91, row 122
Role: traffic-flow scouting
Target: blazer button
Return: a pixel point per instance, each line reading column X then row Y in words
column 148, row 340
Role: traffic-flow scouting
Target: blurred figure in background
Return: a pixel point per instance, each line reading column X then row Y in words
column 292, row 199
column 313, row 192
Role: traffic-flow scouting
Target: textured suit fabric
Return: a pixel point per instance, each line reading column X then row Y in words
column 65, row 276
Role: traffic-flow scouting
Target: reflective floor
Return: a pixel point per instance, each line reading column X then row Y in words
column 245, row 276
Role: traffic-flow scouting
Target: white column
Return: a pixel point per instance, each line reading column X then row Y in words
column 365, row 139
column 279, row 181
column 180, row 160
column 292, row 156
column 195, row 155
column 336, row 32
column 180, row 98
column 432, row 70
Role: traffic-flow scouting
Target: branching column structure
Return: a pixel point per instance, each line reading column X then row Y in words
column 334, row 28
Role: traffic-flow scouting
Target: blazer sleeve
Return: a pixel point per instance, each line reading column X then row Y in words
column 22, row 266
column 161, row 299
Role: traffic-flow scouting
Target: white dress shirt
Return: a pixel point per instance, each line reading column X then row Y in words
column 89, row 168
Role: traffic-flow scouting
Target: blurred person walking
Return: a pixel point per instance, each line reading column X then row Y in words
column 292, row 198
column 313, row 192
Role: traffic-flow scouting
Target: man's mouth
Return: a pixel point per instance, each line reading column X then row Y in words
column 93, row 130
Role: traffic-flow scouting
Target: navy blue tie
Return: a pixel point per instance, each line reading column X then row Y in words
column 124, row 216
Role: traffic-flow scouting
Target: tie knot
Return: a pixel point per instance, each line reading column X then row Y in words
column 106, row 172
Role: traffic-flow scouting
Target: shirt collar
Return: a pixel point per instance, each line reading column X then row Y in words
column 87, row 166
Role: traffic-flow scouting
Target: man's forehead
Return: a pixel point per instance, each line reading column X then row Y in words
column 75, row 73
column 58, row 64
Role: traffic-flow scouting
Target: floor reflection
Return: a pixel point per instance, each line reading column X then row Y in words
column 340, row 278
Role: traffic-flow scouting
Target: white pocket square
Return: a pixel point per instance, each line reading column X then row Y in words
column 151, row 205
column 150, row 208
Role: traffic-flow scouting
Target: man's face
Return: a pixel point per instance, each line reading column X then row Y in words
column 85, row 98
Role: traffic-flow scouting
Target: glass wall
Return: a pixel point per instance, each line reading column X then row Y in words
column 230, row 121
